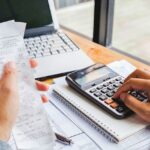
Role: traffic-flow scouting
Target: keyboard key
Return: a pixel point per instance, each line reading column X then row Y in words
column 99, row 87
column 104, row 90
column 110, row 94
column 52, row 43
column 119, row 79
column 112, row 81
column 61, row 51
column 102, row 97
column 143, row 94
column 114, row 105
column 109, row 101
column 46, row 54
column 115, row 90
column 139, row 97
column 134, row 93
column 54, row 53
column 120, row 109
column 106, row 84
column 111, row 87
column 117, row 84
column 121, row 82
column 93, row 90
column 97, row 94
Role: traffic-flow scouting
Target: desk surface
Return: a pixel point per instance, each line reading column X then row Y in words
column 101, row 54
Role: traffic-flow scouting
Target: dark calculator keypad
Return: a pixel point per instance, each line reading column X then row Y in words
column 105, row 91
column 120, row 109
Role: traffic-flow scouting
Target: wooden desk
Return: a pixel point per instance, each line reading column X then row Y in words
column 101, row 54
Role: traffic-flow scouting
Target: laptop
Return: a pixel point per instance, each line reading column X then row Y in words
column 55, row 52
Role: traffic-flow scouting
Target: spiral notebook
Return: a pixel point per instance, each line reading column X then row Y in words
column 113, row 129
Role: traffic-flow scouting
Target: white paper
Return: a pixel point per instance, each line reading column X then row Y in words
column 97, row 137
column 32, row 129
column 60, row 80
column 123, row 68
column 81, row 142
column 61, row 123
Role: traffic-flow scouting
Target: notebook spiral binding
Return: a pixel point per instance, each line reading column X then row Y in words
column 85, row 115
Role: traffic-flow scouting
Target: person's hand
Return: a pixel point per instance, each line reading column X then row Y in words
column 40, row 86
column 9, row 100
column 141, row 74
column 139, row 80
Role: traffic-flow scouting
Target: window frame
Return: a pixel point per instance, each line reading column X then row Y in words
column 103, row 26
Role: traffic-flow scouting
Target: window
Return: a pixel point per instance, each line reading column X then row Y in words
column 76, row 15
column 131, row 31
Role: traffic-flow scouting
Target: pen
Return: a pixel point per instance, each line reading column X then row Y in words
column 62, row 139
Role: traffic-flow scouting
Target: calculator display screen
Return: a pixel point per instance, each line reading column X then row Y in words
column 92, row 76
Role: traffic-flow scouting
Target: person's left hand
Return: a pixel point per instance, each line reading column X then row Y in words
column 9, row 98
column 40, row 86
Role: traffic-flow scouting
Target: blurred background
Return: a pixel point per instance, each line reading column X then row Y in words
column 122, row 25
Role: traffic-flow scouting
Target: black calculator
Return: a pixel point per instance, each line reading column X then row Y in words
column 99, row 83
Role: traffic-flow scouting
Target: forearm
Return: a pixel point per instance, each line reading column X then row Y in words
column 4, row 146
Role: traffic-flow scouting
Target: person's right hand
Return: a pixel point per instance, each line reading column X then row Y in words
column 139, row 80
column 141, row 74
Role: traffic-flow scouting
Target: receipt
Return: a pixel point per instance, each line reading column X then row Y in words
column 122, row 67
column 32, row 129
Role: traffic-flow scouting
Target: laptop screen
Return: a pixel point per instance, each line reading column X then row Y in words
column 36, row 13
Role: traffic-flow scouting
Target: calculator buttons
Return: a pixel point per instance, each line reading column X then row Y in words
column 120, row 109
column 106, row 84
column 97, row 94
column 118, row 79
column 114, row 105
column 121, row 82
column 104, row 90
column 117, row 84
column 115, row 90
column 110, row 94
column 93, row 90
column 111, row 87
column 93, row 84
column 102, row 97
column 99, row 87
column 112, row 81
column 109, row 101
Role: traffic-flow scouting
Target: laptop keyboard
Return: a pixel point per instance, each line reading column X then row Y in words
column 47, row 45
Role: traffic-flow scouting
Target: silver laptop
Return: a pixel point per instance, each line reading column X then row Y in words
column 55, row 52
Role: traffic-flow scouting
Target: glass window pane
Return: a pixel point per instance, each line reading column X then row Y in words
column 77, row 15
column 131, row 31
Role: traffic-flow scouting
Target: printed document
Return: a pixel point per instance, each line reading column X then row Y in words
column 32, row 130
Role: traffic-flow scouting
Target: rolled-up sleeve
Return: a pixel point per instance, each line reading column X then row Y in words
column 4, row 146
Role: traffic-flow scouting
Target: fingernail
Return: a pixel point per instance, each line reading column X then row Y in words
column 10, row 65
column 123, row 96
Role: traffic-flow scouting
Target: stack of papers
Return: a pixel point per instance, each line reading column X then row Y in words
column 32, row 129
